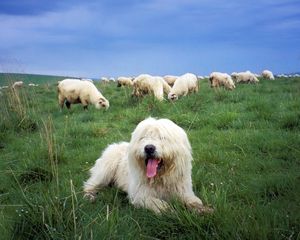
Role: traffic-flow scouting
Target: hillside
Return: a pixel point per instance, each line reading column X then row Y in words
column 246, row 163
column 7, row 78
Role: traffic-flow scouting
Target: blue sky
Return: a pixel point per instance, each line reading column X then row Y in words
column 122, row 37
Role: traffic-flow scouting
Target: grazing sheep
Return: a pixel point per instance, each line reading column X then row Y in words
column 282, row 76
column 124, row 81
column 87, row 79
column 147, row 84
column 183, row 85
column 18, row 84
column 170, row 79
column 112, row 79
column 3, row 87
column 72, row 91
column 32, row 85
column 200, row 77
column 104, row 80
column 267, row 75
column 244, row 77
column 218, row 79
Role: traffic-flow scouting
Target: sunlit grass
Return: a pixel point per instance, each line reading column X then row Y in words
column 246, row 164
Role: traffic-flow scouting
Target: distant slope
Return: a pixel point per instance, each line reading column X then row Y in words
column 7, row 78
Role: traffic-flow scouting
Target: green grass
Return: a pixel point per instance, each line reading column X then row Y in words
column 9, row 78
column 246, row 164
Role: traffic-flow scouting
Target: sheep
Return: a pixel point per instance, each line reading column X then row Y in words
column 104, row 80
column 244, row 77
column 183, row 85
column 17, row 84
column 124, row 81
column 170, row 79
column 218, row 79
column 112, row 79
column 200, row 77
column 72, row 91
column 147, row 84
column 282, row 76
column 87, row 79
column 267, row 74
column 32, row 85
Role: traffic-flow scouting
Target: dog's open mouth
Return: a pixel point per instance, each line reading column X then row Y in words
column 153, row 165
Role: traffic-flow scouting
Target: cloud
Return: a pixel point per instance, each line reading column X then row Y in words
column 158, row 35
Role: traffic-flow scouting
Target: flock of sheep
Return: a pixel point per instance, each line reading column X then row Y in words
column 83, row 91
column 72, row 91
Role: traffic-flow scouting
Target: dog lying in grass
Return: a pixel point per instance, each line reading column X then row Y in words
column 154, row 167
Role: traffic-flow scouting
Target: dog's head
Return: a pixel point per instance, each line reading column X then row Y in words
column 158, row 147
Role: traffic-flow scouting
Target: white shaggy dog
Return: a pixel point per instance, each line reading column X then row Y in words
column 152, row 168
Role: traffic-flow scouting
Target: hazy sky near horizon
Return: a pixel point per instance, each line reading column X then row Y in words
column 122, row 37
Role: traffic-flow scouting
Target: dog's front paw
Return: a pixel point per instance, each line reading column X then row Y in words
column 200, row 208
column 156, row 205
column 91, row 196
column 205, row 210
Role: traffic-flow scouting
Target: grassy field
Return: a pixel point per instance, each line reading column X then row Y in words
column 9, row 78
column 246, row 164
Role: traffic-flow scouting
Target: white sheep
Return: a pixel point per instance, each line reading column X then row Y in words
column 104, row 80
column 124, row 81
column 32, row 85
column 183, row 85
column 87, row 79
column 218, row 79
column 244, row 77
column 147, row 84
column 170, row 79
column 267, row 74
column 72, row 91
column 18, row 84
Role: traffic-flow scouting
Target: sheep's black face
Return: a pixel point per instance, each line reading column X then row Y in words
column 211, row 81
column 102, row 103
column 173, row 97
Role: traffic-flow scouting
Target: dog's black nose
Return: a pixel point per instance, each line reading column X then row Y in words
column 149, row 149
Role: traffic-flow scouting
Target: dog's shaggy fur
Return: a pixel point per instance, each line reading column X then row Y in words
column 152, row 168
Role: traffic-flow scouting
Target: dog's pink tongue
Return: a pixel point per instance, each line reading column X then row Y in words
column 152, row 167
